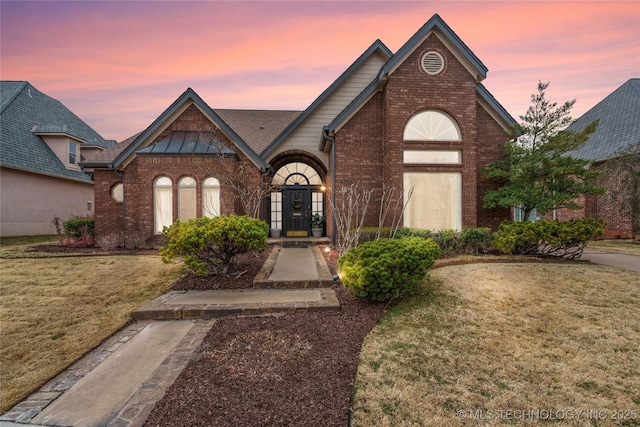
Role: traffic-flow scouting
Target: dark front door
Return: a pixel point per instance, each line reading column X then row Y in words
column 296, row 210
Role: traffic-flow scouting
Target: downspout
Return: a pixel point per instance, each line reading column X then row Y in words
column 124, row 209
column 333, row 184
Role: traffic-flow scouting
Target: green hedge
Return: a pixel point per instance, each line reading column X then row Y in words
column 550, row 238
column 208, row 245
column 386, row 268
column 79, row 228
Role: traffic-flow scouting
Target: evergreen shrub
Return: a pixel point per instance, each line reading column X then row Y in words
column 565, row 239
column 208, row 245
column 386, row 268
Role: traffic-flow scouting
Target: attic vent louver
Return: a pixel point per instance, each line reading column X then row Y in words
column 432, row 63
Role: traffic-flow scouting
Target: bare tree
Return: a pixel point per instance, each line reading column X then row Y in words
column 349, row 213
column 248, row 186
column 391, row 200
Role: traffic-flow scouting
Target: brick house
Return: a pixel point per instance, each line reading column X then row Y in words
column 419, row 119
column 618, row 128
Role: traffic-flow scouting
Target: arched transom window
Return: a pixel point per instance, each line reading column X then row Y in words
column 432, row 125
column 296, row 173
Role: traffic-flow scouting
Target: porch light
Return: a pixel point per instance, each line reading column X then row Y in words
column 323, row 188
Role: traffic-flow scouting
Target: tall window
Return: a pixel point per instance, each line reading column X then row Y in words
column 436, row 201
column 210, row 197
column 163, row 203
column 276, row 210
column 73, row 153
column 186, row 198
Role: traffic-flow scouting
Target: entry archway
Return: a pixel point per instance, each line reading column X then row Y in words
column 300, row 197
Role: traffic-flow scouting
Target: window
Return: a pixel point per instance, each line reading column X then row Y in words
column 276, row 210
column 296, row 173
column 163, row 203
column 431, row 125
column 117, row 192
column 441, row 157
column 317, row 203
column 186, row 198
column 73, row 153
column 210, row 197
column 436, row 200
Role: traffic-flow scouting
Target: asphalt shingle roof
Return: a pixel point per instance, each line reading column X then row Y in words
column 619, row 126
column 25, row 110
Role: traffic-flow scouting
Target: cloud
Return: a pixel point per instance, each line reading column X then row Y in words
column 120, row 64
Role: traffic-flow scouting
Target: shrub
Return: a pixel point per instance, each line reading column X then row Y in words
column 208, row 245
column 78, row 227
column 386, row 268
column 550, row 238
column 108, row 242
column 412, row 232
column 476, row 240
column 449, row 241
column 368, row 234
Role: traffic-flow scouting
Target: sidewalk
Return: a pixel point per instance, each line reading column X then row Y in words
column 119, row 383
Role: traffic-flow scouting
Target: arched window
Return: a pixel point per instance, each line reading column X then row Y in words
column 210, row 197
column 296, row 173
column 163, row 203
column 186, row 198
column 432, row 125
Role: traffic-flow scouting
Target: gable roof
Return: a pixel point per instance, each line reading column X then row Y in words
column 435, row 23
column 618, row 127
column 25, row 115
column 376, row 47
column 179, row 105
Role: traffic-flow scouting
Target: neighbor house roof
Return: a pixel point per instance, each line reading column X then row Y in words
column 618, row 127
column 26, row 114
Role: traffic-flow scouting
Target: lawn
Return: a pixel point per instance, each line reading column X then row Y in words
column 626, row 246
column 477, row 343
column 54, row 310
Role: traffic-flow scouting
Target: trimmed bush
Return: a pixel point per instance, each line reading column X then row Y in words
column 208, row 245
column 550, row 238
column 476, row 240
column 386, row 268
column 79, row 227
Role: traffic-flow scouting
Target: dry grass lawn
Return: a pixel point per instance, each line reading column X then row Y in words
column 506, row 337
column 54, row 310
column 627, row 246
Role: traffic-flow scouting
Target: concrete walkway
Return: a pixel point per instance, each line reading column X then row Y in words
column 614, row 259
column 119, row 383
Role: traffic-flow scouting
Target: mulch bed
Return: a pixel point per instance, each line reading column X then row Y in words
column 288, row 370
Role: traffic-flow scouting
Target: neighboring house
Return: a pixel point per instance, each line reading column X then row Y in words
column 41, row 146
column 618, row 128
column 419, row 119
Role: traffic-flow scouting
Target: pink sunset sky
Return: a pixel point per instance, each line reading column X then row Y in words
column 119, row 64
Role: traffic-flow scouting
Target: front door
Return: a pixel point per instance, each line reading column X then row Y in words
column 297, row 211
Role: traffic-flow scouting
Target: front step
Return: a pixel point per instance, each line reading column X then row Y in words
column 179, row 305
column 265, row 280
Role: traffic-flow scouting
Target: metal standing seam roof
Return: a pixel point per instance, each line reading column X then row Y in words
column 618, row 127
column 182, row 142
column 25, row 113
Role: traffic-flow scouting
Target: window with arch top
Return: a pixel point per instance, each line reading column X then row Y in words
column 210, row 197
column 163, row 203
column 432, row 125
